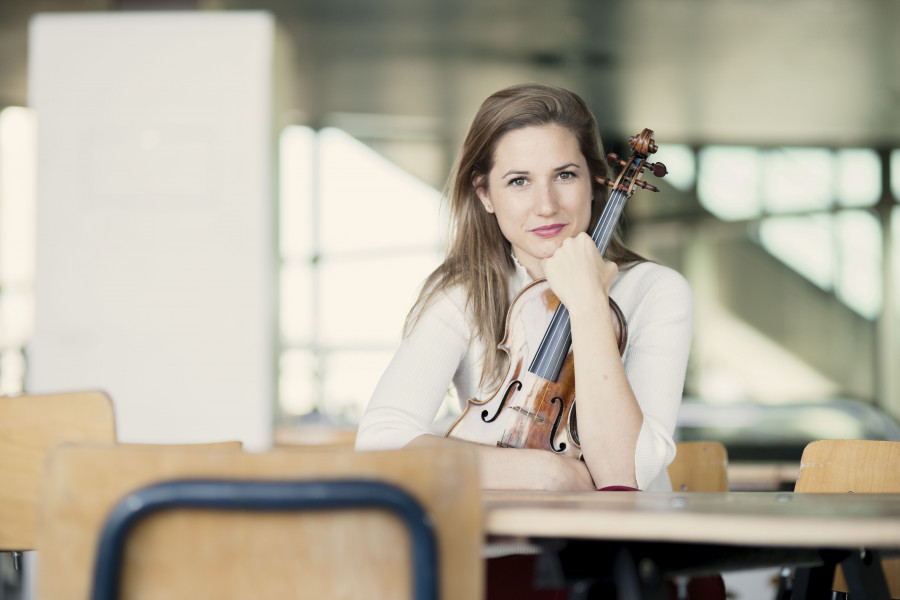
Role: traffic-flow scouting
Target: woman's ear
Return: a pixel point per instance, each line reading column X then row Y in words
column 483, row 195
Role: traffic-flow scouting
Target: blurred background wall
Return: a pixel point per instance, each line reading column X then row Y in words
column 779, row 122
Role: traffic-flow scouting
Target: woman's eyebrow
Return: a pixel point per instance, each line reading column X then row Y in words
column 562, row 168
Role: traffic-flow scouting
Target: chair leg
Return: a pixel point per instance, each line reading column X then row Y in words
column 813, row 582
column 865, row 577
column 638, row 580
column 785, row 584
column 11, row 575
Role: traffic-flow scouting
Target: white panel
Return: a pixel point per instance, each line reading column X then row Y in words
column 155, row 234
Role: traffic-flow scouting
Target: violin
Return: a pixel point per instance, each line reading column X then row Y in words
column 534, row 407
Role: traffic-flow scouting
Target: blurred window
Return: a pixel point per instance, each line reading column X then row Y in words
column 728, row 183
column 681, row 164
column 804, row 243
column 797, row 179
column 895, row 235
column 858, row 274
column 358, row 236
column 895, row 174
column 823, row 236
column 859, row 177
column 839, row 252
column 18, row 164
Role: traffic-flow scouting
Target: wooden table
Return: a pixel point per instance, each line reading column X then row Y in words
column 639, row 539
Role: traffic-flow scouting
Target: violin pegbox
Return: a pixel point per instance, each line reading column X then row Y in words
column 629, row 177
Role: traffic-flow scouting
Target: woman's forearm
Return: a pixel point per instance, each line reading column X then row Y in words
column 521, row 468
column 609, row 417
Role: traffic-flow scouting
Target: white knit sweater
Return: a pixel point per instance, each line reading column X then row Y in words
column 657, row 304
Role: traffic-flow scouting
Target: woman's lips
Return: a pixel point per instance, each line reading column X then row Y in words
column 548, row 231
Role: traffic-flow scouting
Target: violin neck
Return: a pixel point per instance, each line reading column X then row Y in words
column 551, row 354
column 606, row 226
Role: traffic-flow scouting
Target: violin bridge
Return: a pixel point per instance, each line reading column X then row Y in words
column 537, row 418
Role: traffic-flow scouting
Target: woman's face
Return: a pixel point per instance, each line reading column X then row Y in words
column 540, row 191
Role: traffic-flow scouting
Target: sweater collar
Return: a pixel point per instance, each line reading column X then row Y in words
column 519, row 278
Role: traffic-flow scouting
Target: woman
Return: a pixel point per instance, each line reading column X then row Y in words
column 523, row 194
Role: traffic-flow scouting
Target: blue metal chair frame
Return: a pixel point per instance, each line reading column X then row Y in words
column 256, row 495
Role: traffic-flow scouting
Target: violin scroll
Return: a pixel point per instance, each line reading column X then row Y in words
column 629, row 178
column 643, row 143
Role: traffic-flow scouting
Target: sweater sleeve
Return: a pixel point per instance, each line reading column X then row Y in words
column 659, row 331
column 415, row 383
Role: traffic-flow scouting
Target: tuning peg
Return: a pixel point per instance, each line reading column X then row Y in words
column 604, row 181
column 647, row 186
column 659, row 169
column 615, row 161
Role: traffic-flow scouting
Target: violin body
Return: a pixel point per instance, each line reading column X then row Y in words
column 526, row 410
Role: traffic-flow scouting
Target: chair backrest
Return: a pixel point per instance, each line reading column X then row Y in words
column 699, row 467
column 858, row 467
column 223, row 445
column 315, row 435
column 31, row 426
column 190, row 553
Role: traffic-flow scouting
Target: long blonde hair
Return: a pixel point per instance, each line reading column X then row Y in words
column 479, row 258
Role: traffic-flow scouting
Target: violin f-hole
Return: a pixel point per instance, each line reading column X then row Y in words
column 509, row 392
column 573, row 425
column 559, row 413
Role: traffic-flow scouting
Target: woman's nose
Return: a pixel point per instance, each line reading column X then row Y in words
column 546, row 202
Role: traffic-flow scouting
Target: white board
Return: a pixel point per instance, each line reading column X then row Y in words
column 156, row 240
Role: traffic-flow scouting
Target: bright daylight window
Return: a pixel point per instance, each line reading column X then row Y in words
column 18, row 138
column 895, row 222
column 358, row 236
column 797, row 179
column 681, row 164
column 728, row 183
column 895, row 174
column 838, row 251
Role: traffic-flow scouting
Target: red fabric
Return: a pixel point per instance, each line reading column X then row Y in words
column 705, row 588
column 618, row 488
column 510, row 578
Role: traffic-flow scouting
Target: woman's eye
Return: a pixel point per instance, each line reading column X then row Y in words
column 566, row 175
column 517, row 182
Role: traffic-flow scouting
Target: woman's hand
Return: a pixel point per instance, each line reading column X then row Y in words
column 579, row 275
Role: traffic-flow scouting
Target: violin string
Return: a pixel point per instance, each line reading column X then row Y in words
column 601, row 236
column 559, row 341
column 561, row 335
column 506, row 437
column 526, row 414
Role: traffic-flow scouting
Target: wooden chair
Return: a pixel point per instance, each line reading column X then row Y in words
column 314, row 435
column 202, row 446
column 699, row 467
column 31, row 426
column 200, row 552
column 853, row 467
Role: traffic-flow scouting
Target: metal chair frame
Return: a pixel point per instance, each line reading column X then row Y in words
column 258, row 495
